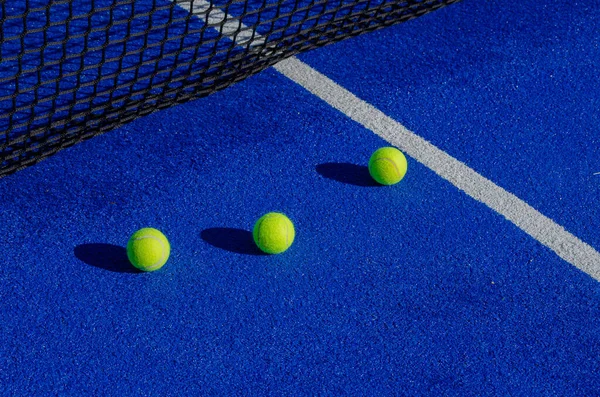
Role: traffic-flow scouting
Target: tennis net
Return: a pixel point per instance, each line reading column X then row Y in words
column 70, row 70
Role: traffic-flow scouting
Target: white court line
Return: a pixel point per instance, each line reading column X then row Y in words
column 527, row 218
column 230, row 27
column 540, row 227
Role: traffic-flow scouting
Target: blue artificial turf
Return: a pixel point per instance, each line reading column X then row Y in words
column 510, row 88
column 413, row 289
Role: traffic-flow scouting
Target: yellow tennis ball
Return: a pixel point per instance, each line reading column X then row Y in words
column 387, row 165
column 148, row 249
column 274, row 233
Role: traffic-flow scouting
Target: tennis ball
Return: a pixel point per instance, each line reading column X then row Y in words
column 274, row 233
column 148, row 249
column 387, row 165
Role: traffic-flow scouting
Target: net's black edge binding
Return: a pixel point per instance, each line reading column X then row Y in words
column 72, row 70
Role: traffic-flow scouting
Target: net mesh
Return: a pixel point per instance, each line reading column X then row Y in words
column 70, row 70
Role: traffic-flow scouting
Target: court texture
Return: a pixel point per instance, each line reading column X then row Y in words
column 477, row 275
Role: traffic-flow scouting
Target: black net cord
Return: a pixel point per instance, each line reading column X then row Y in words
column 72, row 70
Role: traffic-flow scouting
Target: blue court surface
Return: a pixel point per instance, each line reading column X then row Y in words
column 476, row 275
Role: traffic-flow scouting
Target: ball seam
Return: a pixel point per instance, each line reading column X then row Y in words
column 391, row 162
column 163, row 251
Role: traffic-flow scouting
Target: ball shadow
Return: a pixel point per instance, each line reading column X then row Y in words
column 233, row 240
column 105, row 256
column 351, row 174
